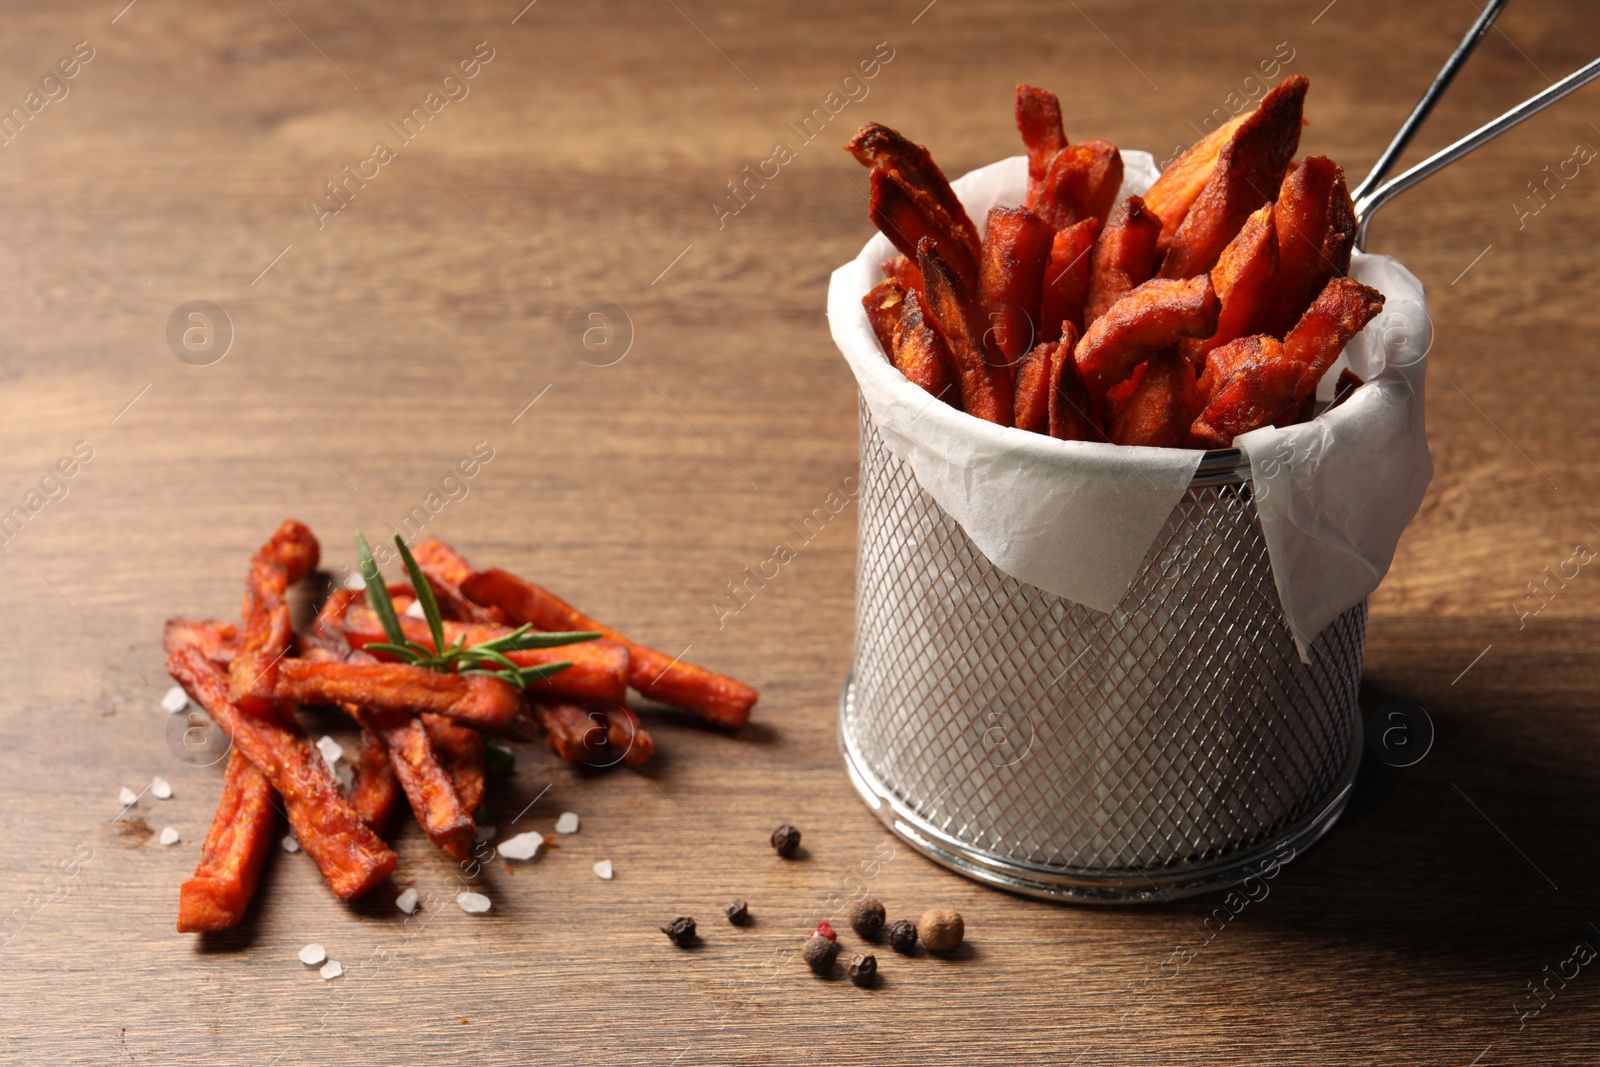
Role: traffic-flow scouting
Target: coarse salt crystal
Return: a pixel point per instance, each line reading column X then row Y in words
column 313, row 954
column 487, row 832
column 354, row 582
column 603, row 869
column 161, row 788
column 331, row 752
column 127, row 796
column 473, row 903
column 407, row 901
column 522, row 847
column 568, row 823
column 331, row 970
column 414, row 610
column 175, row 700
column 169, row 836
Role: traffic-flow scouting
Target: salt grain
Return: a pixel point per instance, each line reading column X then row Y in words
column 354, row 582
column 161, row 788
column 127, row 796
column 487, row 832
column 313, row 954
column 331, row 752
column 290, row 844
column 414, row 610
column 175, row 700
column 522, row 847
column 331, row 970
column 568, row 823
column 473, row 903
column 407, row 901
column 603, row 869
column 169, row 836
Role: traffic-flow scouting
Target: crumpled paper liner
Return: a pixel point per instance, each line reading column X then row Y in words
column 1077, row 518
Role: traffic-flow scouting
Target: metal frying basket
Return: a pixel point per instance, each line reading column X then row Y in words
column 1026, row 741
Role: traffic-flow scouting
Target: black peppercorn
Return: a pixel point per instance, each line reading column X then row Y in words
column 786, row 839
column 738, row 913
column 902, row 935
column 866, row 919
column 820, row 952
column 681, row 930
column 863, row 968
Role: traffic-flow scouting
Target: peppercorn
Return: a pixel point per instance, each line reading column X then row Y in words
column 825, row 929
column 941, row 929
column 866, row 919
column 681, row 931
column 820, row 952
column 902, row 935
column 786, row 839
column 863, row 968
column 737, row 912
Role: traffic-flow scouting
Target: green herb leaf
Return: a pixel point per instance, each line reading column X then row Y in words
column 518, row 642
column 497, row 760
column 424, row 591
column 378, row 593
column 528, row 675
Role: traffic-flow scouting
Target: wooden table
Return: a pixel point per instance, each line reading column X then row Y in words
column 587, row 162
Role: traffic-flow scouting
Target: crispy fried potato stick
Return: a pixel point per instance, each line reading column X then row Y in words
column 986, row 386
column 1072, row 415
column 1315, row 227
column 921, row 354
column 1082, row 183
column 1252, row 384
column 628, row 738
column 1175, row 191
column 1066, row 279
column 236, row 848
column 439, row 809
column 884, row 304
column 1011, row 266
column 1032, row 406
column 217, row 639
column 1039, row 119
column 353, row 860
column 576, row 734
column 1162, row 406
column 1340, row 311
column 908, row 216
column 883, row 149
column 476, row 699
column 1124, row 257
column 1242, row 278
column 903, row 271
column 1156, row 315
column 373, row 788
column 288, row 556
column 460, row 751
column 1248, row 172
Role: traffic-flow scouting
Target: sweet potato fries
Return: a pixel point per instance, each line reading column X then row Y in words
column 422, row 722
column 1209, row 307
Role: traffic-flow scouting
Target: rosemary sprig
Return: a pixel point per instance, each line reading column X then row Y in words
column 486, row 657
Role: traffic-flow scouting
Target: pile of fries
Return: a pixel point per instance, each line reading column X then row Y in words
column 422, row 729
column 1209, row 307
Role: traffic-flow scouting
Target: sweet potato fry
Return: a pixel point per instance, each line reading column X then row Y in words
column 1072, row 415
column 629, row 740
column 1066, row 279
column 1039, row 119
column 1124, row 257
column 655, row 674
column 884, row 304
column 883, row 149
column 1252, row 384
column 288, row 556
column 903, row 271
column 1248, row 172
column 1175, row 191
column 217, row 639
column 908, row 216
column 1340, row 311
column 599, row 669
column 921, row 354
column 427, row 786
column 445, row 569
column 1031, row 408
column 1313, row 221
column 476, row 699
column 1011, row 266
column 576, row 734
column 437, row 557
column 460, row 751
column 352, row 859
column 373, row 788
column 1156, row 315
column 985, row 384
column 1163, row 406
column 1082, row 183
column 1242, row 278
column 236, row 848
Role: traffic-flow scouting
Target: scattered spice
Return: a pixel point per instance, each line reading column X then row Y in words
column 681, row 930
column 290, row 844
column 331, row 970
column 127, row 797
column 175, row 700
column 313, row 954
column 522, row 847
column 604, row 870
column 738, row 912
column 820, row 952
column 825, row 929
column 160, row 788
column 473, row 903
column 407, row 901
column 902, row 935
column 786, row 839
column 941, row 929
column 863, row 968
column 568, row 823
column 169, row 836
column 866, row 919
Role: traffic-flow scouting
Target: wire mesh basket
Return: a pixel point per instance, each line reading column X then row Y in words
column 1168, row 748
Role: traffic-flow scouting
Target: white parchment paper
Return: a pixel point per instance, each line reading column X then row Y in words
column 1076, row 518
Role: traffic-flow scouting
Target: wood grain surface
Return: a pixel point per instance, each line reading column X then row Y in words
column 584, row 165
